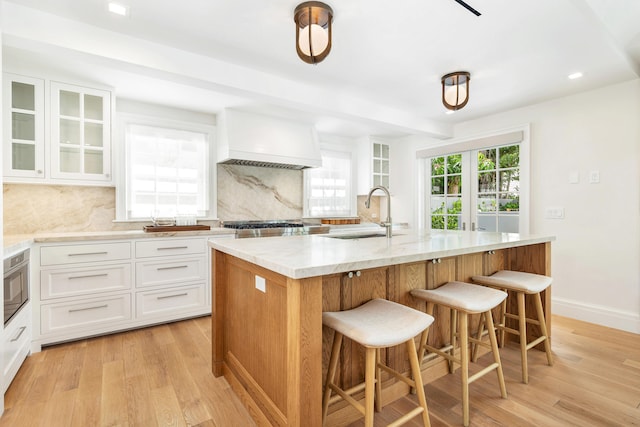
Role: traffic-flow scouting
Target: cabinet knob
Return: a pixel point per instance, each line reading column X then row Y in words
column 491, row 252
column 350, row 275
column 358, row 274
column 437, row 260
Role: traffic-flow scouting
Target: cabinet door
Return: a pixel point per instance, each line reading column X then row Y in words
column 23, row 105
column 80, row 133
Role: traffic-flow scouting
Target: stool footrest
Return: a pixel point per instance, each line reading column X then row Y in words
column 347, row 395
column 442, row 353
column 536, row 342
column 484, row 371
column 406, row 417
column 408, row 381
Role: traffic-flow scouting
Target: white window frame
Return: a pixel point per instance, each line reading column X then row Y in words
column 324, row 148
column 121, row 167
column 469, row 144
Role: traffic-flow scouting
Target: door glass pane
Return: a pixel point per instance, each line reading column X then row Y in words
column 508, row 223
column 510, row 180
column 486, row 222
column 23, row 126
column 93, row 161
column 93, row 134
column 70, row 160
column 23, row 96
column 509, row 202
column 486, row 203
column 486, row 182
column 23, row 157
column 69, row 132
column 69, row 103
column 92, row 107
column 446, row 189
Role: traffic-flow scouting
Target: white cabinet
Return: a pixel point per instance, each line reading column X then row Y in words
column 56, row 133
column 24, row 135
column 89, row 288
column 80, row 133
column 373, row 164
column 16, row 340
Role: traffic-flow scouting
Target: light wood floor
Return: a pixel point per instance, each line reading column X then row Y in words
column 161, row 376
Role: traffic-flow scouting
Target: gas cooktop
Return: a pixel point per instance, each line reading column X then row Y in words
column 274, row 228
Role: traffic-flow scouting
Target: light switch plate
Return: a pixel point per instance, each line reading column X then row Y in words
column 594, row 177
column 261, row 284
column 554, row 213
column 574, row 177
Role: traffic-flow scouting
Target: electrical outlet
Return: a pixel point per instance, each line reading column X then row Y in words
column 554, row 213
column 261, row 284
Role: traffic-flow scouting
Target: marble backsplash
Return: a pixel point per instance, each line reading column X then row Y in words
column 254, row 193
column 244, row 193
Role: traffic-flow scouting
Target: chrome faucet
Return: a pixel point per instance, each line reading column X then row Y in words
column 387, row 223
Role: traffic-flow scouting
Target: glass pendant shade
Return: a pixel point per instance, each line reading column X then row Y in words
column 455, row 90
column 313, row 31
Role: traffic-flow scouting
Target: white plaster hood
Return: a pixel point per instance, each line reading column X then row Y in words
column 258, row 140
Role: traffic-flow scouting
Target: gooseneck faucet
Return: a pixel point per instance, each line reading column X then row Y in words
column 387, row 223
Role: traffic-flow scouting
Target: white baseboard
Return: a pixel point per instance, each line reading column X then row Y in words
column 605, row 316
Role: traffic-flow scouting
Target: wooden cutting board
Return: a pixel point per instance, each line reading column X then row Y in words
column 340, row 221
column 165, row 228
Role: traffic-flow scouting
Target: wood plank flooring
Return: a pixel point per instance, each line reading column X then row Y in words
column 161, row 376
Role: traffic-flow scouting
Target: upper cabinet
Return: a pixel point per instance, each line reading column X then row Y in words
column 373, row 165
column 80, row 133
column 23, row 107
column 57, row 133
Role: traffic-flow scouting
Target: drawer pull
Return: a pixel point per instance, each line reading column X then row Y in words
column 172, row 247
column 86, row 276
column 90, row 253
column 172, row 268
column 88, row 308
column 173, row 296
column 20, row 332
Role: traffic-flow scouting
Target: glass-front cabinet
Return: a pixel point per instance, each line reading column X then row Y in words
column 373, row 164
column 23, row 126
column 80, row 133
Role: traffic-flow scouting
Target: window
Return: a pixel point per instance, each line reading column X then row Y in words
column 167, row 170
column 329, row 189
column 479, row 184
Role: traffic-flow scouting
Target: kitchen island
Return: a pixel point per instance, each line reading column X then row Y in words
column 269, row 295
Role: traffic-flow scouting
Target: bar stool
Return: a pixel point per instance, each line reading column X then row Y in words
column 376, row 324
column 464, row 299
column 521, row 284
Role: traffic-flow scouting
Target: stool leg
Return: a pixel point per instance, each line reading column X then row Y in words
column 543, row 329
column 480, row 331
column 331, row 373
column 452, row 334
column 496, row 356
column 464, row 361
column 369, row 381
column 378, row 382
column 503, row 318
column 522, row 320
column 425, row 334
column 417, row 378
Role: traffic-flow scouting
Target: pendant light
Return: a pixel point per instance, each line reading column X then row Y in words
column 455, row 90
column 313, row 31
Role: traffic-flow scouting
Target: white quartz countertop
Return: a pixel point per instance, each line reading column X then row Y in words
column 13, row 243
column 299, row 257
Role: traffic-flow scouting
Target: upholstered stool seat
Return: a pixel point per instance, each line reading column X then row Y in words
column 374, row 325
column 521, row 284
column 464, row 299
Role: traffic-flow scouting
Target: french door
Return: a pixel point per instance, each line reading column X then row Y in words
column 476, row 190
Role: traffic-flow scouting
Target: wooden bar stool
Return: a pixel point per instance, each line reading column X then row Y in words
column 521, row 284
column 464, row 299
column 376, row 324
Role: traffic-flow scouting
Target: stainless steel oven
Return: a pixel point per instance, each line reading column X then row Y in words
column 16, row 283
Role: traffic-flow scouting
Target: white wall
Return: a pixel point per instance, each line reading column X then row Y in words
column 595, row 258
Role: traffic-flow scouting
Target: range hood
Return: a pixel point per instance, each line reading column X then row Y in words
column 258, row 140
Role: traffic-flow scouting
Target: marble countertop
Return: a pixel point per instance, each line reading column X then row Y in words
column 299, row 257
column 14, row 243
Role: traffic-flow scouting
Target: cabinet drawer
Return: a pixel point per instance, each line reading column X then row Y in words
column 155, row 248
column 17, row 340
column 84, row 280
column 169, row 301
column 72, row 254
column 84, row 314
column 150, row 273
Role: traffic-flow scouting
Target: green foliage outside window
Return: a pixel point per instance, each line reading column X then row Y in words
column 438, row 216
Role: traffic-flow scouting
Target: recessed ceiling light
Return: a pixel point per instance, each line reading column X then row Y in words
column 118, row 9
column 575, row 76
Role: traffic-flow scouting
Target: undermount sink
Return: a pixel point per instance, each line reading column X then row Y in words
column 355, row 236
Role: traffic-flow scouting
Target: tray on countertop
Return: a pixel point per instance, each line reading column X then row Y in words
column 340, row 221
column 165, row 228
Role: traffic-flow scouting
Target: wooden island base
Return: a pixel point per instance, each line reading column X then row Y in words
column 272, row 348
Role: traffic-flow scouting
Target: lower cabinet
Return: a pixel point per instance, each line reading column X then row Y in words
column 82, row 289
column 16, row 342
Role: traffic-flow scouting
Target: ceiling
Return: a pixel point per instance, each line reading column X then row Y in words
column 383, row 73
